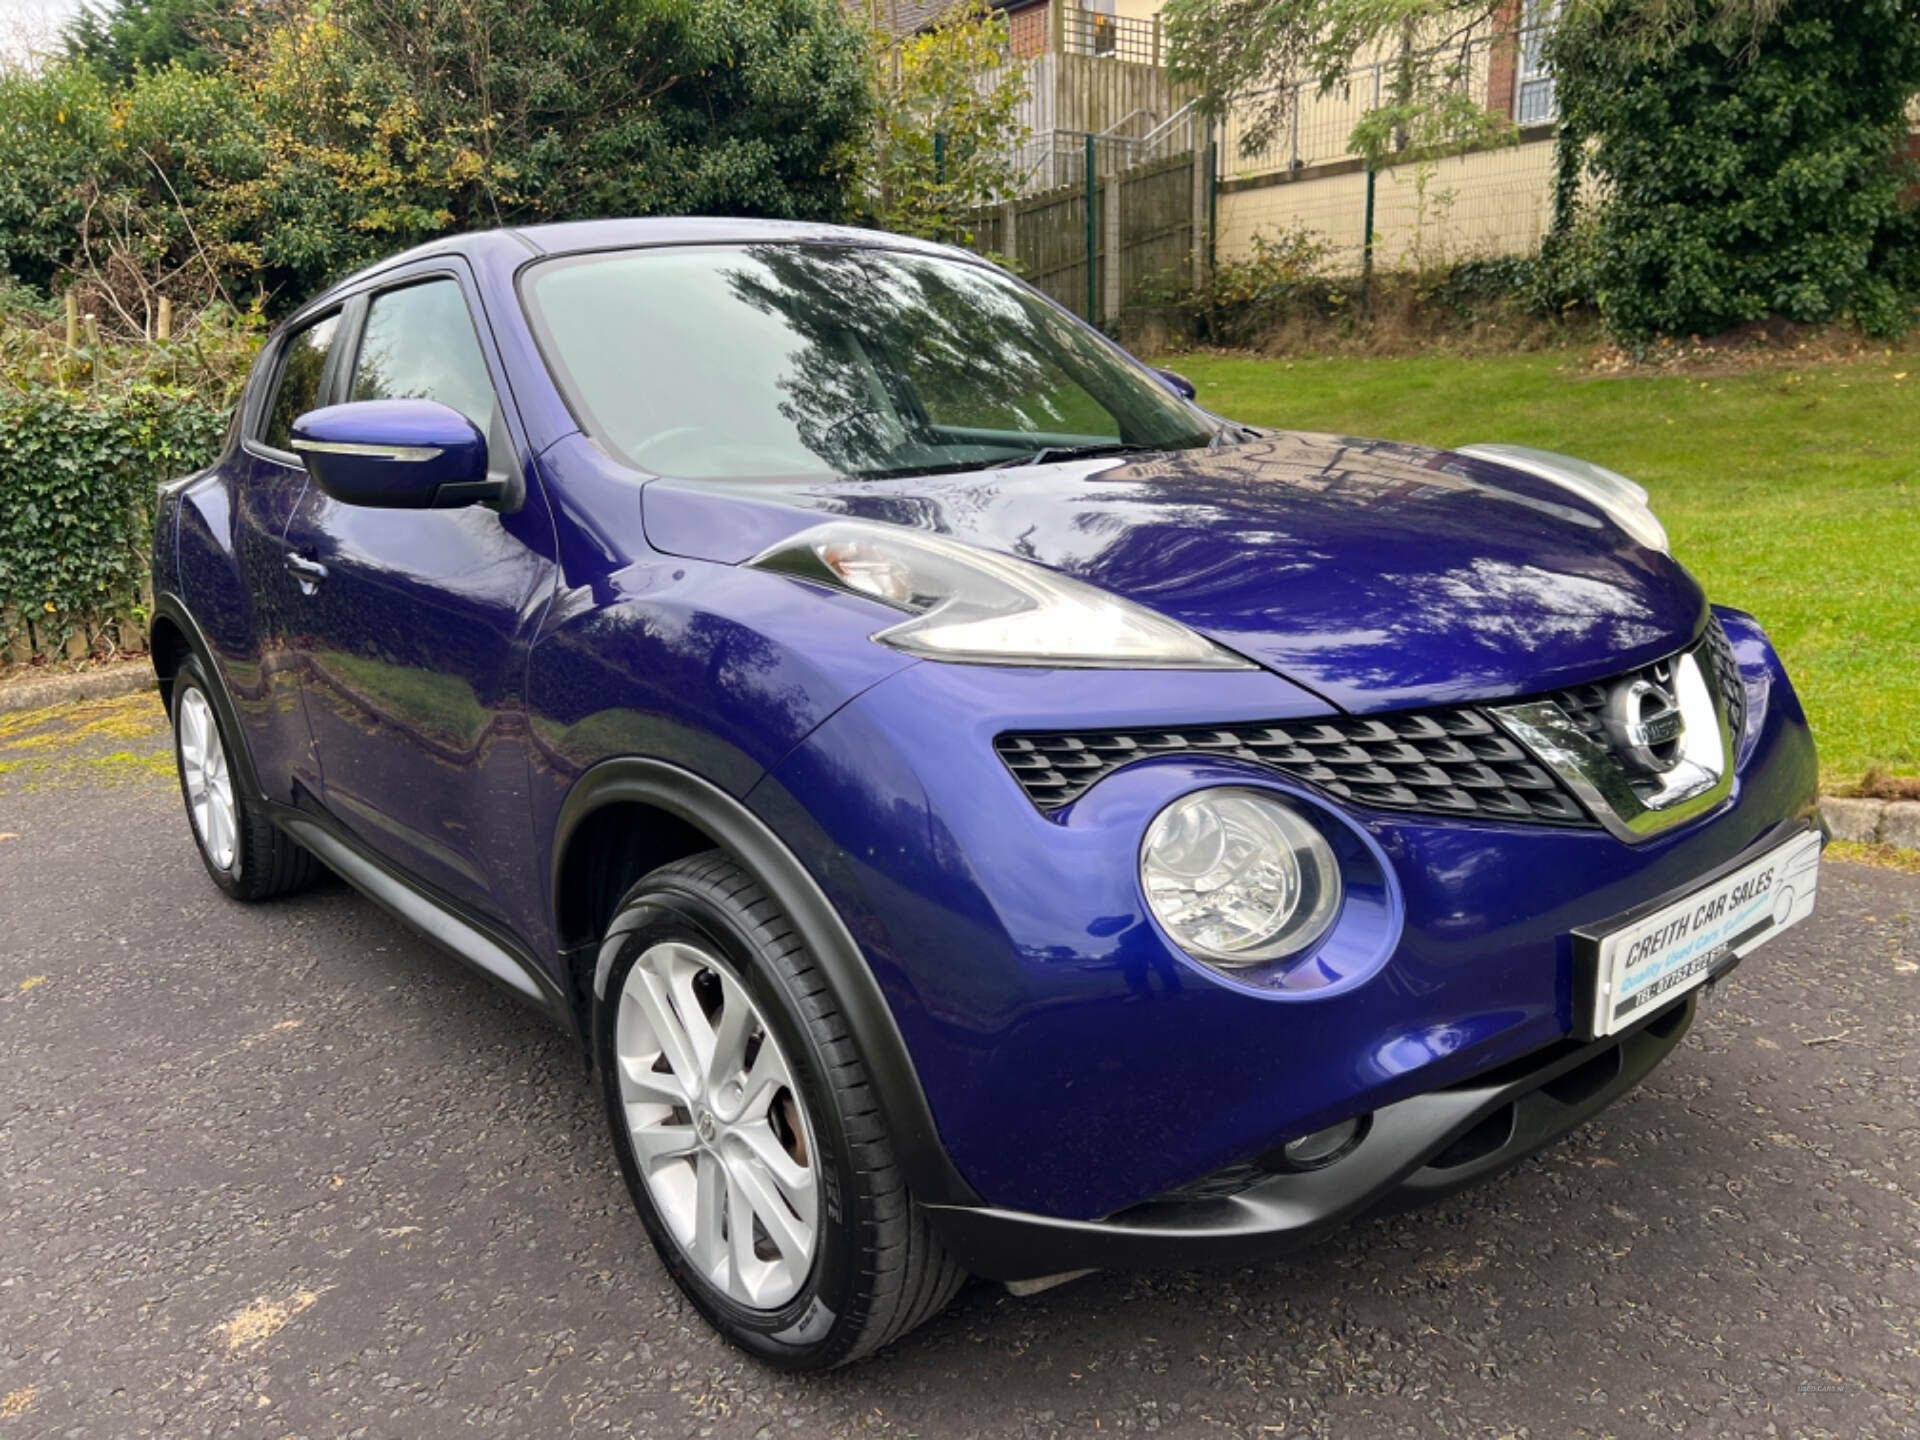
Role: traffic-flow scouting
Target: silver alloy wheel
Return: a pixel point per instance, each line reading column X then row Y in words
column 720, row 1134
column 209, row 783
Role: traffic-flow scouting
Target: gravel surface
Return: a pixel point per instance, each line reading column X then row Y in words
column 289, row 1171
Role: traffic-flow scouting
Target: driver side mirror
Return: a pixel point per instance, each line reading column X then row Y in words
column 401, row 454
column 1178, row 383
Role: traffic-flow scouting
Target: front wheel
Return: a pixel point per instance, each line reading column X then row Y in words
column 245, row 854
column 746, row 1126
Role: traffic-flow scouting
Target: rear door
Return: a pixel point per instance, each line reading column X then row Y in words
column 415, row 634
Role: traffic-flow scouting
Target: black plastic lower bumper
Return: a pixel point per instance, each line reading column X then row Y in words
column 1414, row 1151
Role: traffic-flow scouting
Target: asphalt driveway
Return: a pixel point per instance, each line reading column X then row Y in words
column 289, row 1171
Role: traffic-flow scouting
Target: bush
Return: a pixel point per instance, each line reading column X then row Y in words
column 1285, row 296
column 77, row 479
column 1244, row 299
column 1744, row 179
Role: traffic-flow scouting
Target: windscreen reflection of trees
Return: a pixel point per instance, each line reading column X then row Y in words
column 938, row 344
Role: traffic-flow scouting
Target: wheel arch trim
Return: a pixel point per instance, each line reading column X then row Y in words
column 173, row 609
column 749, row 840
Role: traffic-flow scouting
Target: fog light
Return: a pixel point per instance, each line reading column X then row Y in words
column 1323, row 1147
column 1237, row 877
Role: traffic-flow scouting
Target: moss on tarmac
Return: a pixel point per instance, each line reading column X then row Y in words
column 119, row 741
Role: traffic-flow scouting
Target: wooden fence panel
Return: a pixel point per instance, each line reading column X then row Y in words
column 1050, row 242
column 1155, row 228
column 1156, row 231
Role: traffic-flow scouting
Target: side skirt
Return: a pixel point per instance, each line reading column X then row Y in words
column 495, row 955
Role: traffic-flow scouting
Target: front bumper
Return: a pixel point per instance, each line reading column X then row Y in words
column 1414, row 1151
column 1076, row 1063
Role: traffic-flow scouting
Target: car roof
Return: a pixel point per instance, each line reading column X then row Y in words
column 570, row 237
column 567, row 237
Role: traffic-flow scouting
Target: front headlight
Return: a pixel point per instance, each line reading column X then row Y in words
column 974, row 605
column 1623, row 501
column 1239, row 878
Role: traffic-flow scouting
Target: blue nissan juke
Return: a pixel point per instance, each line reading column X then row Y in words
column 979, row 812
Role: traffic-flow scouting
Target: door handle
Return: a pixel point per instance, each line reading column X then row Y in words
column 309, row 573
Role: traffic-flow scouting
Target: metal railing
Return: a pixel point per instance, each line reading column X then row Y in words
column 1059, row 156
column 1502, row 71
column 1088, row 32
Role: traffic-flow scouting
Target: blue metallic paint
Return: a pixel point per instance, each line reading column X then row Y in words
column 1075, row 1062
column 1380, row 576
column 451, row 451
column 1005, row 995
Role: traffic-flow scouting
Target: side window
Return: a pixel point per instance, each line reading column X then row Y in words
column 419, row 345
column 299, row 389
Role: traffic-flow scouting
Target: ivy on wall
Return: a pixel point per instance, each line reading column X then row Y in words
column 77, row 481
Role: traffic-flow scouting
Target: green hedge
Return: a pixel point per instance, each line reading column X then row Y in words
column 1745, row 181
column 77, row 479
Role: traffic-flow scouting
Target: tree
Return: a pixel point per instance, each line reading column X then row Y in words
column 121, row 37
column 950, row 133
column 332, row 132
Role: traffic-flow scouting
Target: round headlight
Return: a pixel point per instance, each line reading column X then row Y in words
column 1238, row 878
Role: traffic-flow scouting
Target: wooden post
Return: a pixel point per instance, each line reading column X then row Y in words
column 1110, row 219
column 73, row 321
column 1057, row 14
column 1010, row 230
column 1200, row 154
column 164, row 330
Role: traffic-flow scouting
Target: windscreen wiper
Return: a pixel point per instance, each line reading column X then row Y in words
column 1049, row 453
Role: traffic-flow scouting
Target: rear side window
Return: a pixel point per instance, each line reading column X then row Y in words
column 300, row 379
column 419, row 345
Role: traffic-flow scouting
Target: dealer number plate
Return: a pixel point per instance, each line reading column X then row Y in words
column 1666, row 953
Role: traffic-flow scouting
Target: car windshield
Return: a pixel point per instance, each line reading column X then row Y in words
column 787, row 360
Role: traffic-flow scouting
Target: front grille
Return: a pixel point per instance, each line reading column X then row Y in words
column 1440, row 762
column 1453, row 761
column 1733, row 686
column 1585, row 705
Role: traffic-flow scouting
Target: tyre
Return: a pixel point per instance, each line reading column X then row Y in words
column 747, row 1128
column 247, row 856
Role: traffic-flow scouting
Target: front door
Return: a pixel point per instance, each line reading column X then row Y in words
column 415, row 634
column 262, row 671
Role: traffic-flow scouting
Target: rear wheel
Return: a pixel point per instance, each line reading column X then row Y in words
column 747, row 1129
column 244, row 853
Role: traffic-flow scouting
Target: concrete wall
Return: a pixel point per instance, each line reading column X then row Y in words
column 1496, row 202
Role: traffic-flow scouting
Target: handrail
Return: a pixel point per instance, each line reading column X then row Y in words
column 1107, row 134
column 1184, row 112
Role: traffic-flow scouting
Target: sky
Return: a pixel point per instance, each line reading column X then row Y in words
column 26, row 24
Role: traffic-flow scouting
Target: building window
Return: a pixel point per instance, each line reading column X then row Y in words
column 1534, row 100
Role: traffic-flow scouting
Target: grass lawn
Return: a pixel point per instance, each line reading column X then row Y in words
column 1794, row 494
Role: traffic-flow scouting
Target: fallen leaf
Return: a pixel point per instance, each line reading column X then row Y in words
column 8, row 835
column 262, row 1320
column 33, row 980
column 289, row 1025
column 17, row 1402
